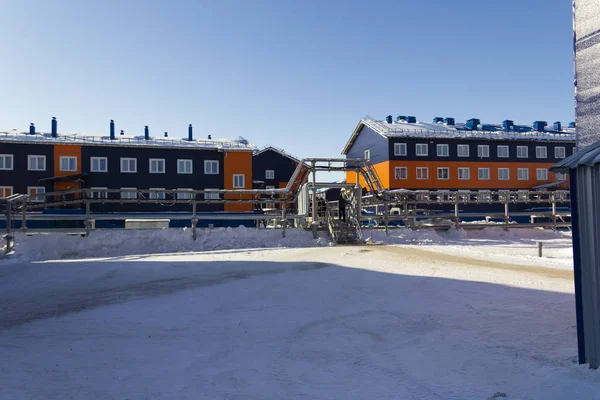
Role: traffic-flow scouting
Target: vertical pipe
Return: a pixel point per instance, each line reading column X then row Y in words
column 54, row 127
column 146, row 133
column 577, row 267
column 506, row 216
column 8, row 223
column 112, row 129
column 539, row 248
column 314, row 193
column 32, row 129
column 88, row 222
column 553, row 211
column 194, row 219
column 190, row 133
column 283, row 219
column 24, row 217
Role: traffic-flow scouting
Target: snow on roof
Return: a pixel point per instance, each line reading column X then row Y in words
column 279, row 151
column 421, row 129
column 125, row 140
column 589, row 156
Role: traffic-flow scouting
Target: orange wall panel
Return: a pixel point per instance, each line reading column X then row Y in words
column 383, row 170
column 62, row 150
column 237, row 162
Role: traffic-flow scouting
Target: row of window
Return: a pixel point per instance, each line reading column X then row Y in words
column 443, row 173
column 483, row 150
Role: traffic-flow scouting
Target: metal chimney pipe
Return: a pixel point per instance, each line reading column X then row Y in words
column 112, row 129
column 54, row 127
column 32, row 129
column 190, row 133
column 122, row 132
column 146, row 133
column 166, row 134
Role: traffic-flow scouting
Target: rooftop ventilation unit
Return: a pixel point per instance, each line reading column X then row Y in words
column 401, row 118
column 388, row 119
column 112, row 129
column 449, row 121
column 437, row 120
column 146, row 133
column 557, row 126
column 32, row 129
column 411, row 120
column 539, row 125
column 572, row 125
column 507, row 124
column 166, row 134
column 190, row 133
column 54, row 127
column 472, row 124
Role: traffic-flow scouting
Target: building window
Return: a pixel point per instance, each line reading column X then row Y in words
column 185, row 166
column 560, row 152
column 185, row 194
column 421, row 149
column 462, row 150
column 443, row 173
column 483, row 174
column 98, row 164
column 542, row 174
column 157, row 165
column 5, row 191
column 129, row 165
column 36, row 193
column 154, row 194
column 368, row 155
column 98, row 193
column 269, row 174
column 560, row 176
column 68, row 163
column 36, row 163
column 211, row 167
column 422, row 173
column 503, row 152
column 523, row 174
column 6, row 161
column 522, row 152
column 401, row 172
column 503, row 174
column 128, row 193
column 483, row 151
column 399, row 149
column 541, row 152
column 442, row 150
column 238, row 181
column 464, row 174
column 208, row 195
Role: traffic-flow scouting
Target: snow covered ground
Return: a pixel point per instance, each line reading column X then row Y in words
column 481, row 319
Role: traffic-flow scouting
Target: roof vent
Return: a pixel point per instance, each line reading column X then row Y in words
column 112, row 129
column 472, row 124
column 539, row 125
column 122, row 132
column 32, row 129
column 507, row 124
column 209, row 137
column 449, row 121
column 411, row 120
column 557, row 126
column 54, row 127
column 166, row 134
column 438, row 120
column 190, row 133
column 388, row 119
column 146, row 133
column 572, row 125
column 401, row 118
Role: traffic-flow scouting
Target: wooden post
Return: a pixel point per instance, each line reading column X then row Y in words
column 194, row 220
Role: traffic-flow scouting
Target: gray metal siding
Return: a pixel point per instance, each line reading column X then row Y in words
column 368, row 139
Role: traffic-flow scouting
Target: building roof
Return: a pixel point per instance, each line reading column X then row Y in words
column 590, row 156
column 125, row 141
column 427, row 130
column 279, row 151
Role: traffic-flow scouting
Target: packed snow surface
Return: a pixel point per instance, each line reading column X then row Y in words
column 180, row 320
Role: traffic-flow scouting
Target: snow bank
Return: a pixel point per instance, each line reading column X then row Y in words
column 112, row 243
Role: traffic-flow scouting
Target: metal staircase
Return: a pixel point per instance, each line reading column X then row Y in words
column 371, row 175
column 344, row 232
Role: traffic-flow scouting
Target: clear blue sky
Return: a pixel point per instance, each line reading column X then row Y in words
column 294, row 74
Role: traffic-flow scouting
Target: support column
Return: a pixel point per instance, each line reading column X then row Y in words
column 87, row 218
column 194, row 220
column 314, row 199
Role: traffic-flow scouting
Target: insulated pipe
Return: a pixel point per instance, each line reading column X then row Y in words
column 112, row 129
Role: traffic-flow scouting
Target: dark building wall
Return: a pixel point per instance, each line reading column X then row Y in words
column 284, row 168
column 493, row 150
column 20, row 177
column 368, row 139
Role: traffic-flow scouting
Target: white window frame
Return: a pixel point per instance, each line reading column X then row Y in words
column 460, row 148
column 368, row 155
column 507, row 170
column 39, row 190
column 538, row 149
column 447, row 173
column 243, row 181
column 463, row 169
column 544, row 174
column 421, row 146
column 480, row 170
column 184, row 162
column 520, row 171
column 480, row 150
column 125, row 190
column 158, row 162
column 98, row 192
column 128, row 170
column 398, row 173
column 503, row 147
column 208, row 167
column 269, row 174
column 520, row 150
column 445, row 147
column 211, row 195
column 153, row 195
column 3, row 191
column 68, row 159
column 420, row 172
column 184, row 195
column 5, row 157
column 37, row 158
column 564, row 152
column 400, row 149
column 99, row 159
column 560, row 176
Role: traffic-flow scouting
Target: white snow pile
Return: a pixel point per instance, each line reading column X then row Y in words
column 111, row 243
